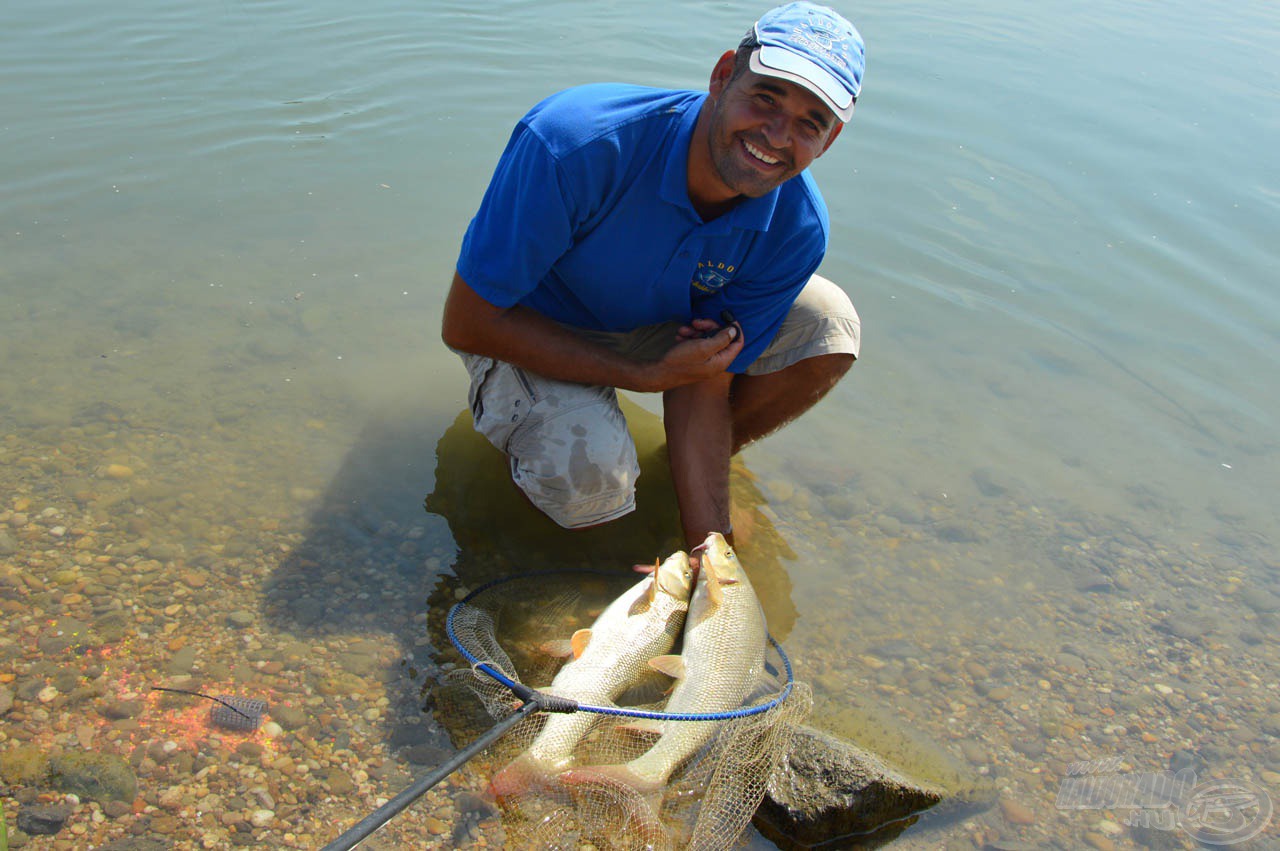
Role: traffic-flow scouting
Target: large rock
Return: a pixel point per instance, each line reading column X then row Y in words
column 827, row 788
column 93, row 776
column 43, row 819
column 25, row 765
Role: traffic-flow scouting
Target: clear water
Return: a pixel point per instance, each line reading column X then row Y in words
column 226, row 231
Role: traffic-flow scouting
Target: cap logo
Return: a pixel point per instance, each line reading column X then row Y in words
column 822, row 41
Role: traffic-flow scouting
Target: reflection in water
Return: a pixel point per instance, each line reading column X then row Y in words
column 499, row 533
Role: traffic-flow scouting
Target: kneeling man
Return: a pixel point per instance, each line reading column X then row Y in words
column 660, row 241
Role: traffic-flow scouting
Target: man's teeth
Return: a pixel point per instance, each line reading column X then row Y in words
column 760, row 155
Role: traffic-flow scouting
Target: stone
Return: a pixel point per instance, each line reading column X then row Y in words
column 426, row 754
column 183, row 661
column 136, row 843
column 111, row 627
column 827, row 787
column 898, row 648
column 1097, row 840
column 1188, row 627
column 43, row 819
column 93, row 776
column 118, row 709
column 339, row 782
column 25, row 765
column 1260, row 600
column 957, row 533
column 289, row 717
column 117, row 809
column 1016, row 813
column 240, row 619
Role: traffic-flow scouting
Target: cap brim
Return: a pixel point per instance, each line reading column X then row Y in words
column 783, row 64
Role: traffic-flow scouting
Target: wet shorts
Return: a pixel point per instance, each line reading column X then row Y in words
column 568, row 444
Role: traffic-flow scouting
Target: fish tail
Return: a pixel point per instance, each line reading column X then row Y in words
column 634, row 800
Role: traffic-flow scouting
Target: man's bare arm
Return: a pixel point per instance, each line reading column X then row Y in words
column 699, row 427
column 530, row 340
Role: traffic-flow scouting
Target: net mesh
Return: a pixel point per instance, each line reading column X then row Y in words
column 557, row 776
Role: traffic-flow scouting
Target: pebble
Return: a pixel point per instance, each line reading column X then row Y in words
column 1097, row 840
column 117, row 471
column 161, row 573
column 1015, row 813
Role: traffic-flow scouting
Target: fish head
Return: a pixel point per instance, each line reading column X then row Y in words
column 674, row 577
column 719, row 565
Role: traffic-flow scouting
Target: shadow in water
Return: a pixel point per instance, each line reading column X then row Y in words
column 422, row 510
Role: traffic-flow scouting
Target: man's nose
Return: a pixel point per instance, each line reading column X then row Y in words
column 777, row 131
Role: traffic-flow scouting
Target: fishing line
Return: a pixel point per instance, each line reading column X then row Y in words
column 248, row 709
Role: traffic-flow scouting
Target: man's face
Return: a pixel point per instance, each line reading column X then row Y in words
column 764, row 131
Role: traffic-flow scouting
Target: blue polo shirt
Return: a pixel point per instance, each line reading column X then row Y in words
column 588, row 221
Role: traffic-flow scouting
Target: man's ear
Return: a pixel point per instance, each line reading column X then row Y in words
column 835, row 131
column 721, row 73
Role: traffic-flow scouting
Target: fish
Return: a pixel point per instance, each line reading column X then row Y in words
column 609, row 659
column 722, row 662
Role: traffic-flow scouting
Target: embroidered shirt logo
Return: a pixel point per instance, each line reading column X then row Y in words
column 712, row 276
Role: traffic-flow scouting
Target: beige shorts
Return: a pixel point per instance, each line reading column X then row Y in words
column 568, row 444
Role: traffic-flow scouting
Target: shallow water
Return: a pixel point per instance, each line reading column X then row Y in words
column 1043, row 500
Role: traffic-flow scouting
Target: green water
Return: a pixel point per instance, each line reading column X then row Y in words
column 225, row 234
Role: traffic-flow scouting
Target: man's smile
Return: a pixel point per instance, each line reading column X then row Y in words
column 760, row 155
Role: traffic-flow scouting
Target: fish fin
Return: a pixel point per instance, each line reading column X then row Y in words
column 644, row 727
column 650, row 688
column 672, row 666
column 579, row 642
column 637, row 799
column 714, row 592
column 715, row 587
column 559, row 648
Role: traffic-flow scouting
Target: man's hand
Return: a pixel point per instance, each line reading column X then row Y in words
column 694, row 357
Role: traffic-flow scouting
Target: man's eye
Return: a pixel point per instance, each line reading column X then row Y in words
column 766, row 99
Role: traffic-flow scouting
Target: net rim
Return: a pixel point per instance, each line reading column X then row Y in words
column 526, row 694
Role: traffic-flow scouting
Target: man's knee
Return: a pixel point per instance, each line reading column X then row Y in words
column 589, row 481
column 576, row 461
column 820, row 373
column 822, row 325
column 568, row 445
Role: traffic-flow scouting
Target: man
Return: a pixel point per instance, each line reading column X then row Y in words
column 660, row 241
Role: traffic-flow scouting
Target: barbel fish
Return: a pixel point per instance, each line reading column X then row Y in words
column 722, row 662
column 610, row 657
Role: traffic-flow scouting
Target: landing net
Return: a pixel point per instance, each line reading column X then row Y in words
column 555, row 773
